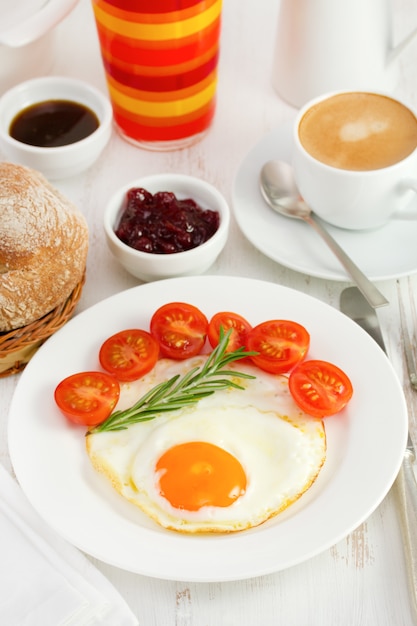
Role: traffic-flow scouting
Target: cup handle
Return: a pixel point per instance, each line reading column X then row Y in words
column 410, row 210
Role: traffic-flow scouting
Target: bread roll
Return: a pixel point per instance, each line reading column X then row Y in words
column 43, row 246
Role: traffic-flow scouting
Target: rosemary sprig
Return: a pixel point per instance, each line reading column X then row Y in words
column 178, row 391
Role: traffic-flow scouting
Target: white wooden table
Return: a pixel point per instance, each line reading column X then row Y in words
column 361, row 581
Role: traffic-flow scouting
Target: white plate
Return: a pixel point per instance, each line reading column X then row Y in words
column 51, row 464
column 385, row 253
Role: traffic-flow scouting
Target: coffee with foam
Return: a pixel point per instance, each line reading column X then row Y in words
column 358, row 131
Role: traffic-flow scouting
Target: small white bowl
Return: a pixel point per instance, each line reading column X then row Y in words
column 149, row 266
column 62, row 161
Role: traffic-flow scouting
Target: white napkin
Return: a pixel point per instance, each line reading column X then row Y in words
column 43, row 579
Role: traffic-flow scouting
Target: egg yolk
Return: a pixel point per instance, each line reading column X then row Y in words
column 197, row 474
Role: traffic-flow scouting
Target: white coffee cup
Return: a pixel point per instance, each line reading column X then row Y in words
column 340, row 180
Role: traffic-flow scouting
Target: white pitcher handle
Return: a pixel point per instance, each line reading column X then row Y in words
column 395, row 52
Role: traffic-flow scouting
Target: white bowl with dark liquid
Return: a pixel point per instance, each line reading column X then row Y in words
column 58, row 106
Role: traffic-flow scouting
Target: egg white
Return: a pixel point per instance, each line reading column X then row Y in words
column 279, row 447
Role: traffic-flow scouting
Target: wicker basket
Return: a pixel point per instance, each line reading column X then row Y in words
column 18, row 346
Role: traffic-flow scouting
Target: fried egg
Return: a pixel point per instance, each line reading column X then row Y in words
column 227, row 463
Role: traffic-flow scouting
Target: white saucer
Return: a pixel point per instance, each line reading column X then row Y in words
column 386, row 253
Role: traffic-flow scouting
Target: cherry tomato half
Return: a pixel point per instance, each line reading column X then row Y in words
column 129, row 354
column 320, row 388
column 180, row 330
column 87, row 398
column 227, row 320
column 281, row 345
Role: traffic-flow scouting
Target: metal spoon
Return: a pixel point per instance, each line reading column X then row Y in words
column 280, row 191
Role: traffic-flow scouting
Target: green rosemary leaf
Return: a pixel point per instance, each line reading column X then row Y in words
column 181, row 391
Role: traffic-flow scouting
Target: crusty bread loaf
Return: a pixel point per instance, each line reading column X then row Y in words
column 43, row 246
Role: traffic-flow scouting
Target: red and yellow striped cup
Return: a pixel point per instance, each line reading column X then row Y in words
column 160, row 59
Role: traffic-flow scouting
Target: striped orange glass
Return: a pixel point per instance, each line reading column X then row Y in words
column 160, row 59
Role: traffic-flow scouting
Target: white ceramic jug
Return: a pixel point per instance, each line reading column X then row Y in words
column 328, row 45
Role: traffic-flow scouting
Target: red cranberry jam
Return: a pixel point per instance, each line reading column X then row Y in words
column 162, row 224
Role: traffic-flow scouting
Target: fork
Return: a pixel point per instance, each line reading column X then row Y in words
column 353, row 304
column 408, row 348
column 406, row 474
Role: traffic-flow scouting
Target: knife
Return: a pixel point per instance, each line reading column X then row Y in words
column 354, row 305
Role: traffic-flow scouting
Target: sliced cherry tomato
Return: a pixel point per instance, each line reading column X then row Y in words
column 129, row 354
column 320, row 388
column 180, row 330
column 227, row 320
column 87, row 398
column 281, row 345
